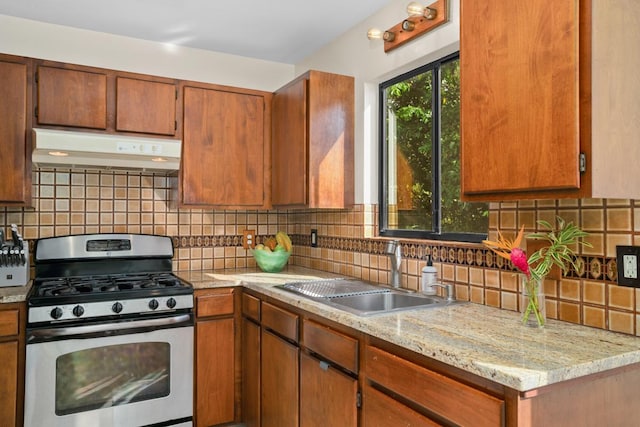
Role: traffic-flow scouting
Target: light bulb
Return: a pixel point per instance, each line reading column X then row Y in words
column 415, row 9
column 374, row 34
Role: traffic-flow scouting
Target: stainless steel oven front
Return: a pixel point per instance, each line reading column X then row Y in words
column 123, row 373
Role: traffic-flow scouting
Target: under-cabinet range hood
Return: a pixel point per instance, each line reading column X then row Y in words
column 104, row 151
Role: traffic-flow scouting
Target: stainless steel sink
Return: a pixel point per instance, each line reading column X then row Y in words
column 362, row 298
column 364, row 305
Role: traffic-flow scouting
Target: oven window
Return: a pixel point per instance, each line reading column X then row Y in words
column 111, row 376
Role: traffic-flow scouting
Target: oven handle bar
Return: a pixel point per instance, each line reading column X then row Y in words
column 111, row 328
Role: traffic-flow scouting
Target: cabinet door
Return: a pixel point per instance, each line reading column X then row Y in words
column 250, row 373
column 379, row 410
column 289, row 145
column 14, row 156
column 331, row 127
column 312, row 139
column 145, row 106
column 69, row 97
column 8, row 382
column 223, row 160
column 215, row 354
column 279, row 396
column 519, row 96
column 328, row 398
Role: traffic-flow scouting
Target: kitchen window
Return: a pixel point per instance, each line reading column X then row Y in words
column 420, row 157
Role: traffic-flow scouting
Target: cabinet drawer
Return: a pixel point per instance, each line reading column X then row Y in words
column 251, row 307
column 280, row 321
column 333, row 345
column 379, row 410
column 457, row 402
column 9, row 322
column 215, row 302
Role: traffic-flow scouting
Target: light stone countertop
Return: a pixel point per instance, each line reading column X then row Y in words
column 14, row 293
column 484, row 341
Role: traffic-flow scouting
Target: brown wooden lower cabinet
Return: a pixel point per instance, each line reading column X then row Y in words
column 215, row 358
column 447, row 399
column 279, row 369
column 328, row 397
column 8, row 382
column 12, row 355
column 250, row 373
column 380, row 410
column 311, row 378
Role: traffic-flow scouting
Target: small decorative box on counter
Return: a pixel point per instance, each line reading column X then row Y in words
column 14, row 259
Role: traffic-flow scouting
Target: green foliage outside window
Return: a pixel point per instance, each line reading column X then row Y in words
column 421, row 143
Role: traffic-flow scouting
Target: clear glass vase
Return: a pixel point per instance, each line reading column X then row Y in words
column 532, row 304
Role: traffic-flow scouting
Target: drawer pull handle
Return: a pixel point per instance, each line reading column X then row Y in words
column 324, row 366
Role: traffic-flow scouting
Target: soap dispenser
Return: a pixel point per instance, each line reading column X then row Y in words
column 429, row 277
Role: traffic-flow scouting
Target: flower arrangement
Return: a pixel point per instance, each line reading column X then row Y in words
column 559, row 252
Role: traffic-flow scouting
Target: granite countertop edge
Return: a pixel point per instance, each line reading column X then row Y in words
column 485, row 341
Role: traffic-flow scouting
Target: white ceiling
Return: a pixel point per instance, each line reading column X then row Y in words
column 278, row 30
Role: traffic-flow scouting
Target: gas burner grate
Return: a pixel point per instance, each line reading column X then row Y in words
column 63, row 286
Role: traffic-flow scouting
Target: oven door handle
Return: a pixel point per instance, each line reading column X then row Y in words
column 113, row 328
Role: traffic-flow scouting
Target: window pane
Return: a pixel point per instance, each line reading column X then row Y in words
column 409, row 127
column 420, row 188
column 457, row 216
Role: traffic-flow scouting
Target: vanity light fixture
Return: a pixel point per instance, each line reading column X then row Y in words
column 421, row 19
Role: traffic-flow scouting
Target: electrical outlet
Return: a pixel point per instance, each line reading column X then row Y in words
column 627, row 259
column 629, row 266
column 314, row 238
column 249, row 239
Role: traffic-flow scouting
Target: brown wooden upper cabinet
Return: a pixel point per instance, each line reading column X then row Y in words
column 71, row 97
column 146, row 106
column 84, row 97
column 15, row 152
column 312, row 142
column 225, row 154
column 549, row 100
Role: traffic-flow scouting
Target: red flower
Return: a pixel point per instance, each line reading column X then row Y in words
column 519, row 259
column 509, row 249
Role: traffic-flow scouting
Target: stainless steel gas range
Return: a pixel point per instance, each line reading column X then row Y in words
column 109, row 334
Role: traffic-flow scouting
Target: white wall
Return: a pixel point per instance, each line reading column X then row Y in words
column 59, row 43
column 355, row 55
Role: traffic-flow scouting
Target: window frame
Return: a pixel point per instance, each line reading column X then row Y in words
column 383, row 188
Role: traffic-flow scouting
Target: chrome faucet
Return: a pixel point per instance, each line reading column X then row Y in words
column 448, row 288
column 394, row 251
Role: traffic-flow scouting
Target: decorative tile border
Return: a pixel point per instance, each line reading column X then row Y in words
column 593, row 267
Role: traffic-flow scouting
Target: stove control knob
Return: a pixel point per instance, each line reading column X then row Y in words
column 153, row 304
column 171, row 303
column 56, row 313
column 78, row 310
column 116, row 307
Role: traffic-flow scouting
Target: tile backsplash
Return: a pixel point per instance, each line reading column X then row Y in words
column 92, row 201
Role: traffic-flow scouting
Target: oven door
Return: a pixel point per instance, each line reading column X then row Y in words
column 118, row 374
